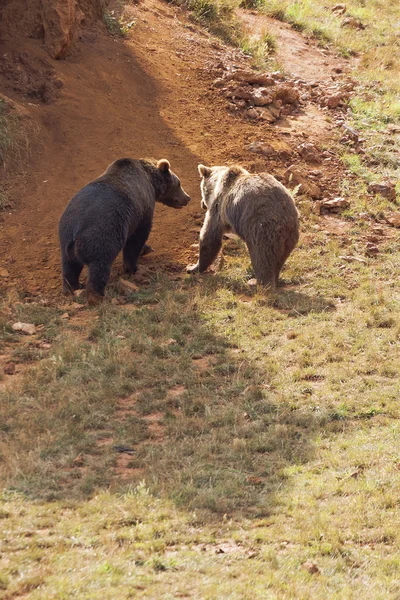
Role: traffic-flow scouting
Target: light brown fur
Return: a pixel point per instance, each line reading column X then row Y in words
column 258, row 208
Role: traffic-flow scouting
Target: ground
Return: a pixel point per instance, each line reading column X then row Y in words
column 195, row 437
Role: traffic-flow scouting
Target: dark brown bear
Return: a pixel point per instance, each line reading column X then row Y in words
column 113, row 213
column 258, row 209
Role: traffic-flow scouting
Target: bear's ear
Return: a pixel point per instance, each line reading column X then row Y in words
column 163, row 165
column 204, row 171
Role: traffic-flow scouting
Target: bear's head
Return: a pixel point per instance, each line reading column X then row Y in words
column 172, row 193
column 216, row 181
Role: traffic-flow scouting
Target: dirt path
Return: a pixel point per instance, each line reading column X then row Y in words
column 148, row 95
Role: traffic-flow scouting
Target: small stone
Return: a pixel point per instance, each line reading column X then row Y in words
column 9, row 368
column 317, row 207
column 393, row 219
column 335, row 205
column 27, row 328
column 260, row 148
column 252, row 282
column 288, row 94
column 251, row 77
column 65, row 316
column 4, row 272
column 371, row 249
column 252, row 114
column 267, row 115
column 309, row 153
column 353, row 22
column 128, row 286
column 78, row 461
column 385, row 189
column 310, row 567
column 353, row 259
column 294, row 177
column 335, row 100
column 340, row 9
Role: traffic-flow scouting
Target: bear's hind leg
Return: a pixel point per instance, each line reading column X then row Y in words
column 99, row 274
column 264, row 265
column 134, row 246
column 71, row 270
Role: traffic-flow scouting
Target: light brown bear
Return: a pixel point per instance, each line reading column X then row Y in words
column 258, row 208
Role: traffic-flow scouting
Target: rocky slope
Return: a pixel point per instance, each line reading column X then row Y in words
column 56, row 22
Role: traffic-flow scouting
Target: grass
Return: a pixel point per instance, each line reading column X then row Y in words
column 11, row 144
column 376, row 106
column 264, row 434
column 262, row 429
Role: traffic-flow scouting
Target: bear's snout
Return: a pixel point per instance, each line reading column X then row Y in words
column 183, row 199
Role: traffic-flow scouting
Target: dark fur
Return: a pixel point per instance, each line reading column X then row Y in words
column 113, row 213
column 258, row 209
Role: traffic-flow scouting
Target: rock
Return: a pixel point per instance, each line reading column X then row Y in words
column 251, row 77
column 59, row 22
column 287, row 94
column 336, row 100
column 371, row 249
column 317, row 207
column 309, row 153
column 335, row 205
column 219, row 83
column 350, row 134
column 55, row 21
column 127, row 286
column 385, row 189
column 78, row 461
column 393, row 219
column 310, row 567
column 267, row 115
column 353, row 258
column 261, row 148
column 253, row 114
column 9, row 368
column 294, row 177
column 274, row 110
column 4, row 272
column 240, row 92
column 239, row 103
column 339, row 9
column 27, row 328
column 353, row 22
column 261, row 97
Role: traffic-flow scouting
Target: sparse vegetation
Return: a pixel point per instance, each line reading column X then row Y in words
column 366, row 31
column 207, row 440
column 278, row 412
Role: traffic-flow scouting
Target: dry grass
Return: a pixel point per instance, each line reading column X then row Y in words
column 373, row 41
column 264, row 427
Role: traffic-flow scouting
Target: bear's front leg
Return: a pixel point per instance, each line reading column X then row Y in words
column 191, row 269
column 210, row 243
column 134, row 246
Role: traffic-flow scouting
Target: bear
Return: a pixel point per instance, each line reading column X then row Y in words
column 257, row 208
column 112, row 213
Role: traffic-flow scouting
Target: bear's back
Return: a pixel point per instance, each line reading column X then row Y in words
column 260, row 198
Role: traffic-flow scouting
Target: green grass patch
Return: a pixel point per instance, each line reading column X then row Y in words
column 265, row 430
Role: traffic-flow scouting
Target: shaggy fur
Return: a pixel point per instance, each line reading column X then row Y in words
column 113, row 213
column 258, row 209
